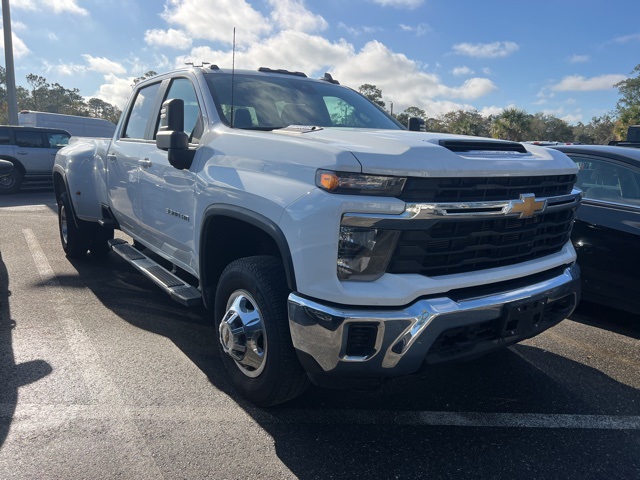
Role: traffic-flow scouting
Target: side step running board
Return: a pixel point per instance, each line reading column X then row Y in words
column 178, row 290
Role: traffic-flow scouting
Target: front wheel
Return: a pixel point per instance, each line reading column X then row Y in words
column 252, row 322
column 74, row 238
column 12, row 182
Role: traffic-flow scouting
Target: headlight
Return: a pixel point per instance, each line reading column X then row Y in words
column 359, row 183
column 364, row 253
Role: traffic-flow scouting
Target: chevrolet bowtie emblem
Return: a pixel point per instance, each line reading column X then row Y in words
column 527, row 206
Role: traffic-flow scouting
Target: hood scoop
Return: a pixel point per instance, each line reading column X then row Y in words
column 482, row 146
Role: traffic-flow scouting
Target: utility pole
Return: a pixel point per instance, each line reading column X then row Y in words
column 12, row 101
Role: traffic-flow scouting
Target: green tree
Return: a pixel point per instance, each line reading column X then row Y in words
column 512, row 124
column 53, row 98
column 39, row 89
column 404, row 116
column 465, row 122
column 628, row 116
column 550, row 127
column 373, row 93
column 599, row 131
column 628, row 107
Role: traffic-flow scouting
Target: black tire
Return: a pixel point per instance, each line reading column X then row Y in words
column 11, row 183
column 75, row 238
column 269, row 372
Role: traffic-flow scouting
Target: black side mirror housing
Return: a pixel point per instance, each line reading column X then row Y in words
column 171, row 136
column 416, row 124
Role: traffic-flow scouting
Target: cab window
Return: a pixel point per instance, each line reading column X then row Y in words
column 182, row 88
column 141, row 111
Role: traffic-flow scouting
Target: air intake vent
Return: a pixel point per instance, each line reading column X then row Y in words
column 484, row 146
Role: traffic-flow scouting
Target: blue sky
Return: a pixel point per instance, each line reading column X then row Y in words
column 560, row 57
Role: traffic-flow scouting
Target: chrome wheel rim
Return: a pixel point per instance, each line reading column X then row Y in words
column 7, row 181
column 242, row 334
column 64, row 231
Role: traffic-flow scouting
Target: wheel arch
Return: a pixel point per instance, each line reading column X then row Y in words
column 61, row 186
column 253, row 234
column 16, row 163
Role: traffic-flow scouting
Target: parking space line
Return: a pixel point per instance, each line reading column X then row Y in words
column 27, row 208
column 101, row 388
column 232, row 413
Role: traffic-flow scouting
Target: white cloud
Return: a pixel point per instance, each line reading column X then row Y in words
column 292, row 15
column 486, row 50
column 67, row 69
column 403, row 81
column 215, row 21
column 167, row 38
column 355, row 31
column 462, row 71
column 20, row 49
column 104, row 65
column 493, row 110
column 572, row 118
column 24, row 5
column 634, row 37
column 419, row 30
column 579, row 58
column 55, row 6
column 399, row 3
column 65, row 6
column 578, row 83
column 116, row 90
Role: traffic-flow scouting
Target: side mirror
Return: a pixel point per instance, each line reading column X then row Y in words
column 171, row 135
column 416, row 124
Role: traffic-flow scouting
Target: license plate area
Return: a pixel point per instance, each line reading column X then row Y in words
column 522, row 317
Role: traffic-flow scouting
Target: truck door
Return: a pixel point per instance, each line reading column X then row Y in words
column 123, row 157
column 167, row 194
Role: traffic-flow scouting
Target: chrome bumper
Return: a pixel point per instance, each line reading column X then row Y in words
column 401, row 340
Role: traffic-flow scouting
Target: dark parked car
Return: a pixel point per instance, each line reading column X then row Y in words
column 606, row 234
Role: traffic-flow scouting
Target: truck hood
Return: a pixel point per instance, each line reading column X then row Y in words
column 406, row 153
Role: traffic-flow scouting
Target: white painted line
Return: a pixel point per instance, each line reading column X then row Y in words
column 28, row 208
column 102, row 389
column 233, row 413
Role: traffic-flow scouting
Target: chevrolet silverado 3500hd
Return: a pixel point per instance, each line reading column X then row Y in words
column 330, row 243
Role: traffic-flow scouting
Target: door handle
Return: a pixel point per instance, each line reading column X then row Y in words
column 145, row 162
column 22, row 153
column 111, row 157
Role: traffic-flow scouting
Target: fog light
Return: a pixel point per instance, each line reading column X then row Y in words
column 364, row 253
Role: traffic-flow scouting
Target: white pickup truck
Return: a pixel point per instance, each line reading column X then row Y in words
column 330, row 243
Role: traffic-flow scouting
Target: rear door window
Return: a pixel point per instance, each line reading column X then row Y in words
column 57, row 140
column 30, row 139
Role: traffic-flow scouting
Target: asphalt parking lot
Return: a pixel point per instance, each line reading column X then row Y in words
column 103, row 376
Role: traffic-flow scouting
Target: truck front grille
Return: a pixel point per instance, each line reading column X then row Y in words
column 459, row 246
column 479, row 189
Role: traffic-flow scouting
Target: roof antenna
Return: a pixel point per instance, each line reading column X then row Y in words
column 233, row 73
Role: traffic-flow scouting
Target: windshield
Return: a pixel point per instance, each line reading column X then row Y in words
column 264, row 102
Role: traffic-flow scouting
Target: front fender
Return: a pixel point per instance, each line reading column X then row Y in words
column 82, row 167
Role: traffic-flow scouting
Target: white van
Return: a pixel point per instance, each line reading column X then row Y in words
column 75, row 125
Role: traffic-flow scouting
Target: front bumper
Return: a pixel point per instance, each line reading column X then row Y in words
column 333, row 342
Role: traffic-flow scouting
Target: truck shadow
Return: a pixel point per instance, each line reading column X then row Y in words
column 12, row 375
column 362, row 433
